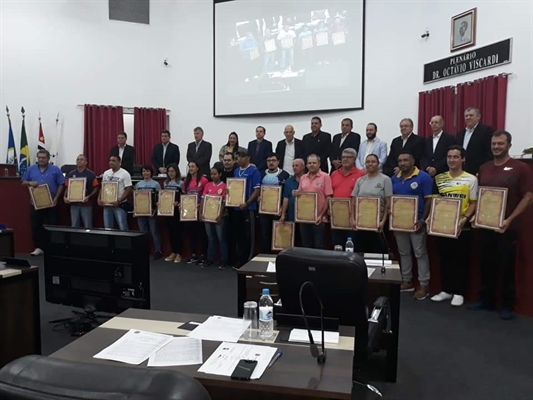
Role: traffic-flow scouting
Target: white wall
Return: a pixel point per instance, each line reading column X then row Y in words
column 56, row 55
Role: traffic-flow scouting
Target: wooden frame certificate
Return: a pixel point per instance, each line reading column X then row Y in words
column 76, row 190
column 444, row 217
column 305, row 205
column 491, row 207
column 270, row 200
column 211, row 208
column 165, row 208
column 340, row 213
column 109, row 192
column 404, row 213
column 41, row 197
column 142, row 203
column 282, row 235
column 188, row 209
column 236, row 192
column 367, row 213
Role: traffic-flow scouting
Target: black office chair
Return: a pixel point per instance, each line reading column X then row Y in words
column 137, row 170
column 67, row 168
column 46, row 378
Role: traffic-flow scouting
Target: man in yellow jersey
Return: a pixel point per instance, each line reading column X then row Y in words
column 454, row 253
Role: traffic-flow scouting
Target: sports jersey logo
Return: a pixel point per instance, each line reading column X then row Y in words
column 414, row 185
column 219, row 191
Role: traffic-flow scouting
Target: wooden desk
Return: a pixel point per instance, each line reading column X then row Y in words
column 253, row 277
column 20, row 332
column 295, row 376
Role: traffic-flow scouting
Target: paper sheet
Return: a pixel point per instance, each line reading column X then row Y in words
column 220, row 329
column 370, row 271
column 271, row 267
column 379, row 262
column 301, row 336
column 226, row 357
column 134, row 347
column 179, row 351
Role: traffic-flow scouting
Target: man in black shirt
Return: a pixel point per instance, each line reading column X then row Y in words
column 228, row 167
column 317, row 142
column 228, row 171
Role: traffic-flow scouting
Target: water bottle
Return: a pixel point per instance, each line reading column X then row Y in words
column 266, row 315
column 348, row 247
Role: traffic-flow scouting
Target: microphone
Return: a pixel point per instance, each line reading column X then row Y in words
column 315, row 352
column 384, row 245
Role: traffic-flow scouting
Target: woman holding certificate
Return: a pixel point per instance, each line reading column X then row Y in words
column 148, row 222
column 194, row 185
column 173, row 185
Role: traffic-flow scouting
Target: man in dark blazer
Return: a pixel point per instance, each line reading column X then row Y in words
column 124, row 151
column 317, row 142
column 407, row 142
column 259, row 149
column 344, row 140
column 435, row 161
column 165, row 153
column 289, row 149
column 200, row 152
column 475, row 139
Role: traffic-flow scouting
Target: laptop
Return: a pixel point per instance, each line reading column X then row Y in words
column 16, row 263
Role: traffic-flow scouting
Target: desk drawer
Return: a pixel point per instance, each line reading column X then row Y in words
column 256, row 283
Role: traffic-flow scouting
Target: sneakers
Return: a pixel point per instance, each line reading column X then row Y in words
column 457, row 300
column 421, row 293
column 222, row 266
column 37, row 252
column 407, row 287
column 206, row 264
column 507, row 314
column 479, row 306
column 192, row 260
column 157, row 255
column 177, row 259
column 442, row 296
column 171, row 257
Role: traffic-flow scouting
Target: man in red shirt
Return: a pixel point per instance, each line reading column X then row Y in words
column 498, row 248
column 343, row 181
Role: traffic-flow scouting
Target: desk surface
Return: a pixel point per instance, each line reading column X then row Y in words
column 6, row 273
column 296, row 373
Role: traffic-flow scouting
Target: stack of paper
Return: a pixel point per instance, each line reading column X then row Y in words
column 179, row 351
column 302, row 336
column 220, row 329
column 226, row 357
column 271, row 267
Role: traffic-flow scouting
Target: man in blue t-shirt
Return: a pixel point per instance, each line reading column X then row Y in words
column 410, row 181
column 43, row 173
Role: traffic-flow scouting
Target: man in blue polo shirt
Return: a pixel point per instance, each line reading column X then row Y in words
column 40, row 174
column 410, row 181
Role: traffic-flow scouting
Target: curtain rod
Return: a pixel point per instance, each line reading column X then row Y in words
column 130, row 109
column 503, row 74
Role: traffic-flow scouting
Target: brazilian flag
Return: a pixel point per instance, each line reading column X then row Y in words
column 24, row 148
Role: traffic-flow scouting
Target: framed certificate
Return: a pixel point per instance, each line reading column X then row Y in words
column 76, row 190
column 322, row 39
column 282, row 235
column 338, row 38
column 41, row 197
column 340, row 213
column 444, row 217
column 270, row 45
column 305, row 207
column 109, row 192
column 142, row 203
column 367, row 213
column 270, row 200
column 254, row 54
column 165, row 208
column 307, row 42
column 188, row 209
column 491, row 207
column 211, row 208
column 404, row 212
column 236, row 192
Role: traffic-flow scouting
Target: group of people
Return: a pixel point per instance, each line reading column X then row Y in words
column 441, row 165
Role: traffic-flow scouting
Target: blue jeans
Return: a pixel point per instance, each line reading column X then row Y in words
column 149, row 224
column 216, row 236
column 115, row 213
column 287, row 57
column 79, row 214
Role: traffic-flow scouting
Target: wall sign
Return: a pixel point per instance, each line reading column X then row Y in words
column 489, row 56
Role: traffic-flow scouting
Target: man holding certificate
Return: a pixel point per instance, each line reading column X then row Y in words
column 410, row 181
column 48, row 176
column 114, row 202
column 81, row 200
column 498, row 247
column 454, row 253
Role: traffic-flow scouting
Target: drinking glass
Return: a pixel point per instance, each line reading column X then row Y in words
column 250, row 315
column 338, row 248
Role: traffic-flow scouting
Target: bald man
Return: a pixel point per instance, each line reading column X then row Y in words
column 289, row 149
column 434, row 161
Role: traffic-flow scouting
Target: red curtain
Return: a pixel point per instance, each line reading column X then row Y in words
column 489, row 95
column 147, row 126
column 439, row 101
column 101, row 126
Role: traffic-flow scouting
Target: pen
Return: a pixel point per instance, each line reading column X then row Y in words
column 276, row 357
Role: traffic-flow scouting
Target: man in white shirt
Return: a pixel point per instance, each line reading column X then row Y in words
column 372, row 145
column 286, row 38
column 289, row 149
column 434, row 161
column 116, row 210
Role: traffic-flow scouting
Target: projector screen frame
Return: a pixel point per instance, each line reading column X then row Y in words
column 295, row 112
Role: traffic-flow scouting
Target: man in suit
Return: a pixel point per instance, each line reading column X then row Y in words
column 435, row 160
column 407, row 142
column 344, row 140
column 289, row 149
column 124, row 151
column 475, row 139
column 200, row 152
column 317, row 142
column 372, row 145
column 165, row 153
column 259, row 149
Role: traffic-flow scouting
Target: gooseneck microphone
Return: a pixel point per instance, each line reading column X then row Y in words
column 319, row 355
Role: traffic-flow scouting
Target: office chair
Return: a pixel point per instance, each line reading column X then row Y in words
column 66, row 168
column 46, row 378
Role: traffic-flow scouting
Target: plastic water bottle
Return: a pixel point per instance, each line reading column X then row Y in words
column 348, row 247
column 266, row 315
